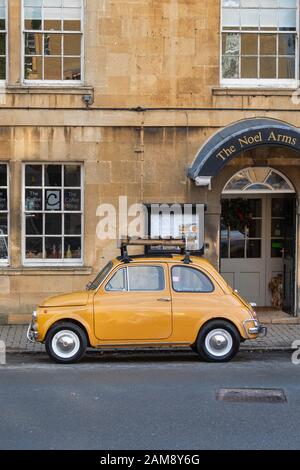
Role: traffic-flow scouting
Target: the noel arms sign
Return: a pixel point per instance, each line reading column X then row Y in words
column 239, row 137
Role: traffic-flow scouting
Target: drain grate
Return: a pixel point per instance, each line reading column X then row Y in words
column 252, row 395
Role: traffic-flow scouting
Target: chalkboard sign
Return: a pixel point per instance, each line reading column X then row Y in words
column 33, row 200
column 3, row 199
column 72, row 200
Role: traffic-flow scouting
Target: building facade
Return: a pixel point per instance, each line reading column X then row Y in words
column 161, row 101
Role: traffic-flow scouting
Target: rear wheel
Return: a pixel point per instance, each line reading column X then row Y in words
column 66, row 343
column 218, row 341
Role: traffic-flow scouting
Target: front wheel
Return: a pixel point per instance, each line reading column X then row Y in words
column 218, row 341
column 66, row 343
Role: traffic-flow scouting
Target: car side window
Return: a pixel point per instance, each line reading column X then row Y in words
column 146, row 278
column 118, row 283
column 187, row 279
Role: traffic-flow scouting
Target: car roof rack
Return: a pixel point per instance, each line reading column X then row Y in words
column 169, row 242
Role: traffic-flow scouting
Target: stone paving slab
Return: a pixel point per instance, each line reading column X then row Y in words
column 279, row 337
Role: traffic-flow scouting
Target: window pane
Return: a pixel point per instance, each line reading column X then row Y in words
column 287, row 44
column 287, row 67
column 249, row 44
column 278, row 207
column 34, row 248
column 33, row 44
column 2, row 68
column 230, row 67
column 231, row 44
column 277, row 228
column 72, row 44
column 268, row 44
column 253, row 248
column 33, row 200
column 34, row 224
column 3, row 224
column 269, row 19
column 33, row 68
column 53, row 44
column 250, row 18
column 231, row 18
column 2, row 44
column 249, row 67
column 255, row 207
column 72, row 247
column 53, row 224
column 53, row 200
column 118, row 281
column 146, row 278
column 53, row 247
column 52, row 68
column 72, row 25
column 254, row 228
column 33, row 175
column 73, row 224
column 268, row 67
column 72, row 200
column 186, row 279
column 72, row 69
column 52, row 25
column 72, row 174
column 3, row 248
column 237, row 248
column 3, row 175
column 53, row 175
column 276, row 248
column 287, row 19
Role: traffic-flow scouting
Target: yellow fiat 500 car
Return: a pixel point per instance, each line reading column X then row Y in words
column 148, row 302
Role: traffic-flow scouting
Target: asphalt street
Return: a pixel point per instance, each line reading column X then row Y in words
column 146, row 401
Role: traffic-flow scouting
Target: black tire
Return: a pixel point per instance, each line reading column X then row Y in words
column 80, row 344
column 230, row 347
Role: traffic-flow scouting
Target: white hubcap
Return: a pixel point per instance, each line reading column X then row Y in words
column 65, row 344
column 218, row 342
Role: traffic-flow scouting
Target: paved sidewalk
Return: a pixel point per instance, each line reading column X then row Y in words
column 280, row 337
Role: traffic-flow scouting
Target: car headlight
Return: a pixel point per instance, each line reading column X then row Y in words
column 34, row 315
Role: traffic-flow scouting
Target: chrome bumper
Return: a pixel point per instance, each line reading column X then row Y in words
column 255, row 329
column 32, row 333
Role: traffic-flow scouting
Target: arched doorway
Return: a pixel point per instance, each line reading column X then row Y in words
column 258, row 236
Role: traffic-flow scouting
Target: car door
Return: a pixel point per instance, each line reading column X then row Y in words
column 134, row 304
column 194, row 295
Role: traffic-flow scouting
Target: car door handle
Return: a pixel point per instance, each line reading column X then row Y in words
column 164, row 299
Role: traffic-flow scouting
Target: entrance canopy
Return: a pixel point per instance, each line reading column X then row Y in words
column 244, row 135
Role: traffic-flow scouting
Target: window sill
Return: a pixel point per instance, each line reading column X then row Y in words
column 46, row 271
column 257, row 91
column 47, row 89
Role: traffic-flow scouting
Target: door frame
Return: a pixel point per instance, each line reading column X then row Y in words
column 258, row 194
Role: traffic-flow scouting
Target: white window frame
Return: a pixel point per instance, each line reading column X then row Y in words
column 53, row 262
column 57, row 83
column 260, row 82
column 5, row 31
column 6, row 262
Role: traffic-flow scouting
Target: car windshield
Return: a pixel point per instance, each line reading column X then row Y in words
column 101, row 276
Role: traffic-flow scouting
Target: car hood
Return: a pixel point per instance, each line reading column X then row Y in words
column 75, row 299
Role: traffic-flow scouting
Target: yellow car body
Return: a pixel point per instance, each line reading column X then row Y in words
column 130, row 317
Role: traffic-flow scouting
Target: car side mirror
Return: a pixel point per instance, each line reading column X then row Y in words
column 88, row 286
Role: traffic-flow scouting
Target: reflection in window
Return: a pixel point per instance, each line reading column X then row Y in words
column 53, row 39
column 53, row 214
column 146, row 278
column 258, row 179
column 259, row 39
